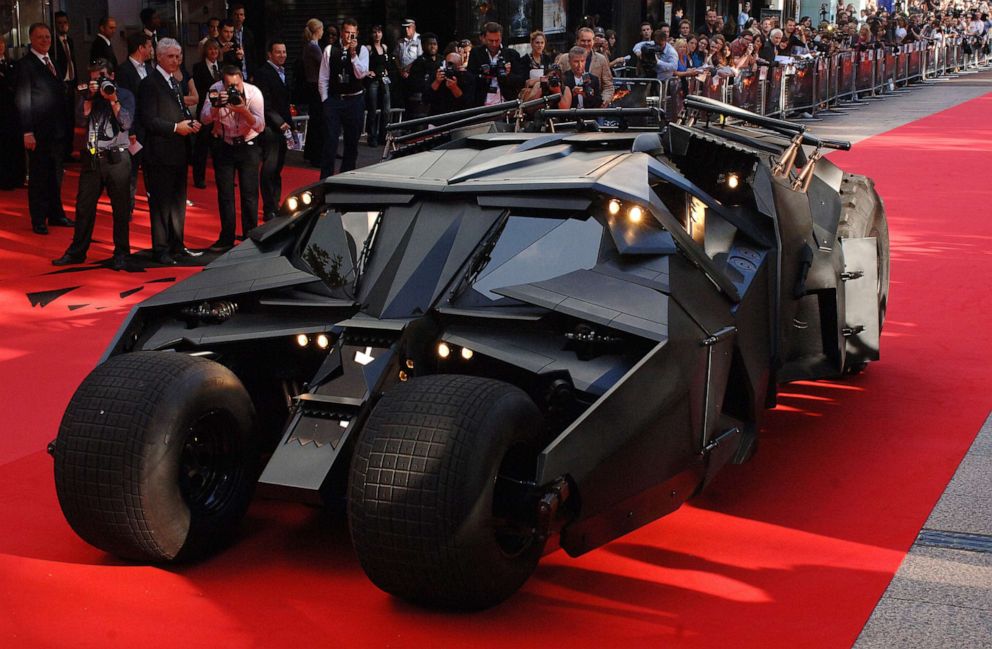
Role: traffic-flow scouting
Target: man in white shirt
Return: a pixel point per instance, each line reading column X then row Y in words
column 342, row 68
column 236, row 111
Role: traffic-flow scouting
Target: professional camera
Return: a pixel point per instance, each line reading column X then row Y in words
column 650, row 54
column 234, row 98
column 215, row 100
column 554, row 77
column 450, row 70
column 106, row 86
column 495, row 71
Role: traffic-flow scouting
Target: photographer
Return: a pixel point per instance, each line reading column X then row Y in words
column 580, row 89
column 230, row 50
column 658, row 58
column 451, row 88
column 496, row 69
column 342, row 69
column 237, row 111
column 106, row 112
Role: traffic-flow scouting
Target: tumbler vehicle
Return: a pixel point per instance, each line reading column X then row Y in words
column 507, row 344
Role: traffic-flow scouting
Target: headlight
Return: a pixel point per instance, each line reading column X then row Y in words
column 293, row 203
column 306, row 198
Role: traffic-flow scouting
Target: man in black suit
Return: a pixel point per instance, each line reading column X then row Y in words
column 231, row 51
column 497, row 69
column 245, row 40
column 63, row 55
column 40, row 99
column 130, row 73
column 205, row 74
column 150, row 23
column 102, row 47
column 271, row 80
column 167, row 123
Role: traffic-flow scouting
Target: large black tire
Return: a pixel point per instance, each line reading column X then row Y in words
column 156, row 457
column 863, row 215
column 423, row 507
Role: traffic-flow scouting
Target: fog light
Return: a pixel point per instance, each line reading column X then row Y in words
column 409, row 363
column 292, row 203
column 635, row 214
column 733, row 181
column 614, row 207
column 302, row 340
column 323, row 341
column 467, row 353
column 403, row 376
column 443, row 350
column 307, row 198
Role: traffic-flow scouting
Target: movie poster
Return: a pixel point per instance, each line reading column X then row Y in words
column 554, row 17
column 521, row 24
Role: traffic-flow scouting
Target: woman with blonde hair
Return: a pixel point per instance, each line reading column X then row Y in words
column 313, row 31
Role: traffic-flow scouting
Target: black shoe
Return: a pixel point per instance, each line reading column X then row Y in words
column 64, row 222
column 220, row 246
column 40, row 229
column 186, row 252
column 165, row 260
column 200, row 185
column 240, row 237
column 268, row 216
column 67, row 259
column 119, row 262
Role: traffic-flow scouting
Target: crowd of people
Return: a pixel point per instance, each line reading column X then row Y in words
column 234, row 107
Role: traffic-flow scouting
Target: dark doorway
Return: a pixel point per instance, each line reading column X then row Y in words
column 436, row 17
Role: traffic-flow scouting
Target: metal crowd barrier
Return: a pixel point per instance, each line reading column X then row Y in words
column 821, row 83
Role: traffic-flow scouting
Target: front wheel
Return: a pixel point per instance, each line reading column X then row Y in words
column 431, row 495
column 156, row 456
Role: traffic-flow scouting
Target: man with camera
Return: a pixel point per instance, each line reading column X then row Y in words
column 271, row 81
column 237, row 112
column 596, row 64
column 496, row 69
column 339, row 83
column 451, row 88
column 230, row 50
column 166, row 123
column 106, row 112
column 659, row 58
column 580, row 89
column 422, row 73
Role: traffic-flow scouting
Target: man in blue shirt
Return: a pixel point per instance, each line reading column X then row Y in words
column 659, row 55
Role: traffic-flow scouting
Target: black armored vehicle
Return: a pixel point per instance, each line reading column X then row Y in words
column 506, row 344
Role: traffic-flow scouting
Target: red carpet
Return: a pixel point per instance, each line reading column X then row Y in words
column 791, row 550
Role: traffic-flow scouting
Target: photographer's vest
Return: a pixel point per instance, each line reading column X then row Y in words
column 493, row 94
column 342, row 80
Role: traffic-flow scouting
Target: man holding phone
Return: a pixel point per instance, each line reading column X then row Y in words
column 342, row 68
column 167, row 123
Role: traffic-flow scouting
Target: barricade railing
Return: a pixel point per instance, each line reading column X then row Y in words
column 812, row 85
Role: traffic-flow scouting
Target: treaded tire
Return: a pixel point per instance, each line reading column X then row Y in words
column 421, row 492
column 156, row 457
column 863, row 215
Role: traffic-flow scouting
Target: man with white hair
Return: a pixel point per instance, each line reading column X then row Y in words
column 167, row 123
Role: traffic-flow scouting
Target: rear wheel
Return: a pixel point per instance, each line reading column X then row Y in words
column 156, row 456
column 863, row 215
column 433, row 490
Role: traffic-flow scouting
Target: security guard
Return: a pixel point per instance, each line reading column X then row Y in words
column 107, row 112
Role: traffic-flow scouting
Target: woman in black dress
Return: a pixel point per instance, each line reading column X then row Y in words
column 377, row 87
column 11, row 140
column 313, row 34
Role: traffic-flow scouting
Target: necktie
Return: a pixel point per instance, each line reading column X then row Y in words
column 282, row 73
column 179, row 95
column 51, row 68
column 215, row 72
column 68, row 59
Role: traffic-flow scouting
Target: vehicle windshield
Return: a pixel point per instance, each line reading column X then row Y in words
column 533, row 249
column 333, row 252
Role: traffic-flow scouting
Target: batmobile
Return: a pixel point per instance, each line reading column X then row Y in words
column 509, row 343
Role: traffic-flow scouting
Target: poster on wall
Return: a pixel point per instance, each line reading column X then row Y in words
column 554, row 16
column 521, row 23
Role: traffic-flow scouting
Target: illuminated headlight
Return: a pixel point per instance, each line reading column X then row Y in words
column 323, row 341
column 614, row 207
column 467, row 353
column 293, row 203
column 443, row 350
column 733, row 181
column 302, row 340
column 635, row 214
column 306, row 198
